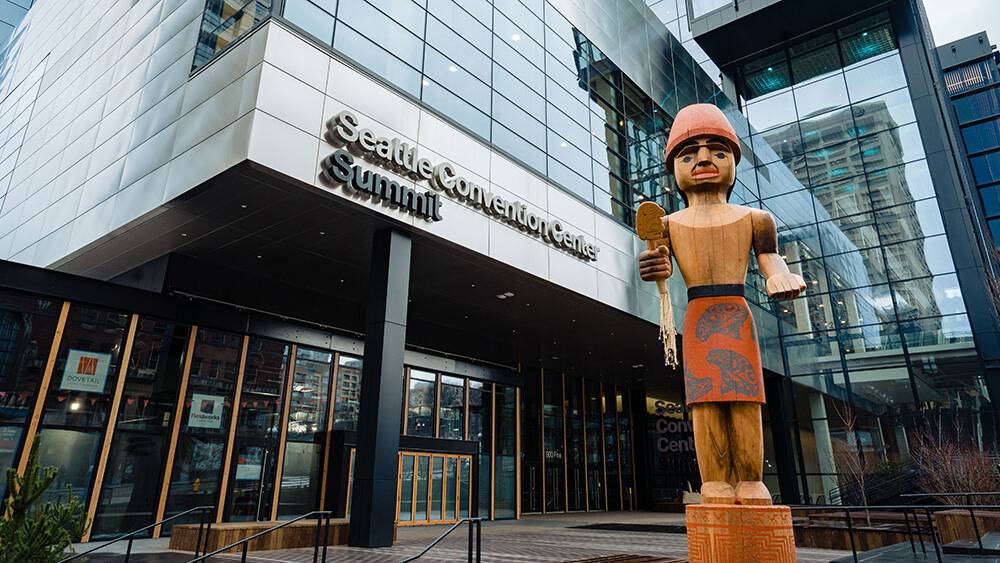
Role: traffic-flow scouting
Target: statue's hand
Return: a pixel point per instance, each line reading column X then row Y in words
column 655, row 265
column 785, row 285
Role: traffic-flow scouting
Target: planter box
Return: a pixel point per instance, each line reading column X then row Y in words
column 957, row 524
column 183, row 537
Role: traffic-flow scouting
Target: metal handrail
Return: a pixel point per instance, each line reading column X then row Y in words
column 478, row 544
column 131, row 535
column 906, row 509
column 246, row 541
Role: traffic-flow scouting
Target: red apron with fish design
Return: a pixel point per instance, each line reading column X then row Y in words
column 721, row 355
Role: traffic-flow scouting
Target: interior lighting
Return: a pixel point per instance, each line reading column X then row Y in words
column 453, row 68
column 515, row 37
column 562, row 144
column 74, row 406
column 426, row 83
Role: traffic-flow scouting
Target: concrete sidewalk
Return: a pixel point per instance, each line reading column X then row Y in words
column 554, row 538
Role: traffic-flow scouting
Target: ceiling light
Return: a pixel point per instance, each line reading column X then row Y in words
column 244, row 206
column 501, row 296
column 322, row 232
column 515, row 37
column 184, row 234
column 426, row 83
column 259, row 256
column 452, row 68
column 74, row 406
column 508, row 294
column 562, row 144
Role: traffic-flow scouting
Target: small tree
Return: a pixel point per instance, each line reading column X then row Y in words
column 850, row 458
column 950, row 464
column 32, row 531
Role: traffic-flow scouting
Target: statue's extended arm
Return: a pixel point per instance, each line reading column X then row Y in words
column 781, row 283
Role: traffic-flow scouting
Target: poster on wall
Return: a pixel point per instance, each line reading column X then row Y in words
column 85, row 371
column 206, row 411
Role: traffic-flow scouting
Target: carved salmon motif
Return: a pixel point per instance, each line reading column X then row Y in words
column 738, row 374
column 696, row 387
column 721, row 318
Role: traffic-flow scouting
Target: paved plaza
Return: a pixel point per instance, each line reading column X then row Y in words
column 533, row 538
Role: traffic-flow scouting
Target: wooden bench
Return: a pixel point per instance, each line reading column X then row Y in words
column 183, row 537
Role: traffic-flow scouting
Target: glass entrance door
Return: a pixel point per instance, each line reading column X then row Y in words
column 252, row 480
column 433, row 488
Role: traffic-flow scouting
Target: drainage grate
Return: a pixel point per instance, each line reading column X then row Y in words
column 656, row 528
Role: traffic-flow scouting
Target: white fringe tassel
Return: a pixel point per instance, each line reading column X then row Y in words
column 668, row 331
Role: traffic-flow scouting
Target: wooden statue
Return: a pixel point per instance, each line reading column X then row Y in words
column 711, row 240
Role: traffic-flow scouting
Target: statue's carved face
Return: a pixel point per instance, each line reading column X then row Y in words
column 704, row 163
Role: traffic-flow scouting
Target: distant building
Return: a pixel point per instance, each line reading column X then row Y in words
column 972, row 75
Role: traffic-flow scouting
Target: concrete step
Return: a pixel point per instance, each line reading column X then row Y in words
column 991, row 546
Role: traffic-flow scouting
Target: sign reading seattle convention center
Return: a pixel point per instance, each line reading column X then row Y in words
column 206, row 411
column 85, row 371
column 340, row 168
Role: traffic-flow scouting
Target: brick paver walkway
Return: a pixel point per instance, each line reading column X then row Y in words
column 532, row 539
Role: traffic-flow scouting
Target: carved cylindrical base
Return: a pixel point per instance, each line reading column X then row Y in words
column 728, row 533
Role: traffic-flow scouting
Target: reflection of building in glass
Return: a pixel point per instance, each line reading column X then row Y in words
column 851, row 141
column 883, row 331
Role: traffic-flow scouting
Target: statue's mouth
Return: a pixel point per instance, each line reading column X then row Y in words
column 705, row 172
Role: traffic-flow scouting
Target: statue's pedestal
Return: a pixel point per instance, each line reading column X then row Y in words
column 728, row 533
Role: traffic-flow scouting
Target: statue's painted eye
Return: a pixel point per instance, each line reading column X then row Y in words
column 687, row 159
column 720, row 155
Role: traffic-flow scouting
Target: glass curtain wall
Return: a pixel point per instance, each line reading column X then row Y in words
column 588, row 440
column 301, row 477
column 134, row 475
column 27, row 328
column 481, row 430
column 205, row 419
column 881, row 336
column 223, row 22
column 258, row 429
column 79, row 397
column 975, row 92
column 553, row 436
column 348, row 393
column 505, row 454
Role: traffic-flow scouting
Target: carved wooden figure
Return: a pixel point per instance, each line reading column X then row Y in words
column 711, row 241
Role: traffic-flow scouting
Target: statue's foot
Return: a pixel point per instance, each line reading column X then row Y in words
column 717, row 492
column 753, row 492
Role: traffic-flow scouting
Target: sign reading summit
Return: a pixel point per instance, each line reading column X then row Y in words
column 396, row 155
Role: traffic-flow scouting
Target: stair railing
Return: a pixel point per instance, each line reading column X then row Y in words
column 473, row 522
column 131, row 535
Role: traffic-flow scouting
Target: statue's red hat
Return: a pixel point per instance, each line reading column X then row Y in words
column 697, row 120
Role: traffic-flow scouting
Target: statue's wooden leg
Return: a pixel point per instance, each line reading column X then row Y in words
column 748, row 453
column 712, row 431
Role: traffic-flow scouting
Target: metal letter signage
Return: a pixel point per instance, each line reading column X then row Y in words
column 344, row 130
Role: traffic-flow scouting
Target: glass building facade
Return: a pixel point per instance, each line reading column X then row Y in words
column 259, row 414
column 882, row 335
column 832, row 149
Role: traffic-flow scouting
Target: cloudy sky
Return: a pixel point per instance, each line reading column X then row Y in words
column 955, row 19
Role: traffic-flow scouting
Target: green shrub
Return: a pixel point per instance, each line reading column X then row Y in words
column 32, row 531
